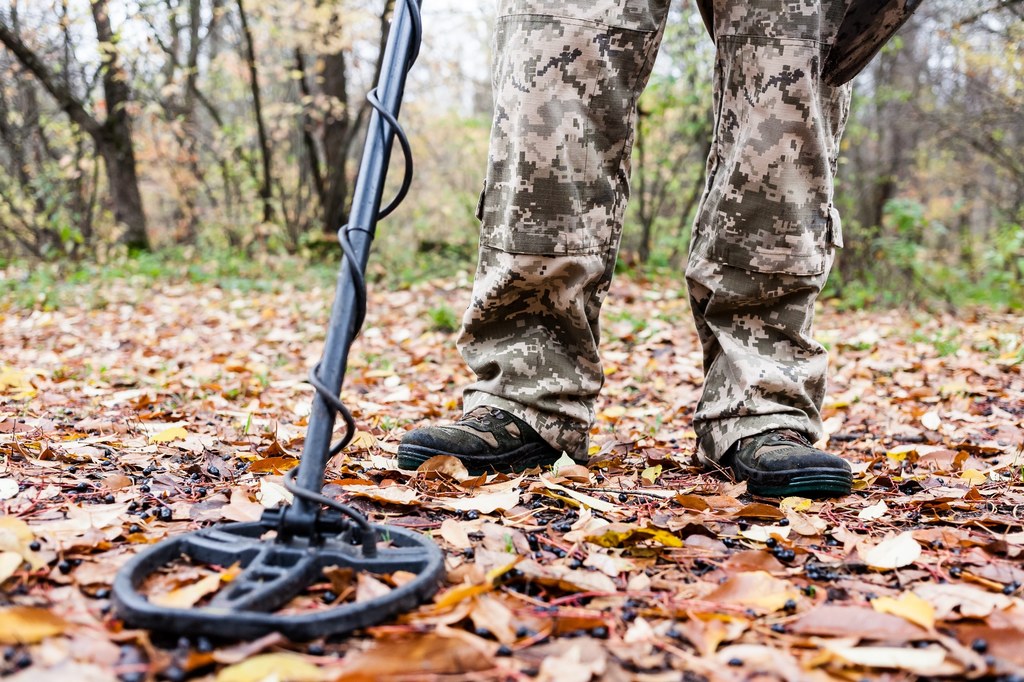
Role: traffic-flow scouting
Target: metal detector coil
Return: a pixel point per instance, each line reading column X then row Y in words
column 288, row 550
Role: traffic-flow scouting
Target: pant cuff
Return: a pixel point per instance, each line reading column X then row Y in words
column 560, row 433
column 714, row 438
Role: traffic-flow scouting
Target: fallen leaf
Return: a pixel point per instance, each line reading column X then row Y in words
column 874, row 512
column 278, row 667
column 28, row 624
column 9, row 563
column 454, row 532
column 391, row 494
column 973, row 477
column 369, row 587
column 577, row 663
column 169, row 435
column 443, row 652
column 833, row 620
column 953, row 601
column 796, row 503
column 445, row 464
column 908, row 606
column 931, row 421
column 272, row 494
column 926, row 661
column 896, row 551
column 485, row 503
column 491, row 615
column 8, row 488
column 589, row 500
column 189, row 595
column 755, row 588
column 651, row 474
column 16, row 537
column 622, row 534
column 765, row 533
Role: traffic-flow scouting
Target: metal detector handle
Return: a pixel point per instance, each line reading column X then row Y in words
column 366, row 202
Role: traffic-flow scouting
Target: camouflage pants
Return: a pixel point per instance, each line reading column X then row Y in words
column 567, row 75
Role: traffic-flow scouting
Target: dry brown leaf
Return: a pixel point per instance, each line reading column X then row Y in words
column 491, row 615
column 444, row 652
column 444, row 464
column 755, row 588
column 833, row 620
column 485, row 503
column 454, row 532
column 953, row 601
column 369, row 587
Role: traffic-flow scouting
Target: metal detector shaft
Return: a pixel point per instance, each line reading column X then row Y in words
column 366, row 202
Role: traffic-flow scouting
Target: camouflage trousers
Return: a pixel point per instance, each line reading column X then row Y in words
column 567, row 75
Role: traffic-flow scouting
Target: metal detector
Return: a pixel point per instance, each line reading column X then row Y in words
column 288, row 549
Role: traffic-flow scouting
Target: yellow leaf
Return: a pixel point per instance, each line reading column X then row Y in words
column 15, row 382
column 973, row 477
column 651, row 473
column 464, row 591
column 282, row 667
column 28, row 625
column 620, row 534
column 614, row 412
column 363, row 440
column 589, row 500
column 17, row 537
column 168, row 435
column 459, row 593
column 909, row 607
column 796, row 503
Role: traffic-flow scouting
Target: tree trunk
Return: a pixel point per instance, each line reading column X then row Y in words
column 113, row 136
column 115, row 139
column 123, row 181
column 266, row 187
column 336, row 136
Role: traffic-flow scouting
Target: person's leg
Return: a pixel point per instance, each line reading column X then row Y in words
column 766, row 229
column 567, row 74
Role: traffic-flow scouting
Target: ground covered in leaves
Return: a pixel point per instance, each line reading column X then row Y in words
column 172, row 407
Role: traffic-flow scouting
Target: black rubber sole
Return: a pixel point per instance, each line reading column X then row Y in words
column 410, row 457
column 814, row 483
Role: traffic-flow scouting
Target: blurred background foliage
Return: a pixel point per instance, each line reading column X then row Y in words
column 215, row 138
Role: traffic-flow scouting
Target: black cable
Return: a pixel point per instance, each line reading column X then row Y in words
column 358, row 278
column 366, row 533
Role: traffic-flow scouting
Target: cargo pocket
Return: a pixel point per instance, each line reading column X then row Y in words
column 769, row 205
column 566, row 77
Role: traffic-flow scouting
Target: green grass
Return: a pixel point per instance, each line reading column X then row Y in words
column 91, row 285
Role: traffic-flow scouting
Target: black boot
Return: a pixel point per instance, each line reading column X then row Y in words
column 784, row 463
column 486, row 440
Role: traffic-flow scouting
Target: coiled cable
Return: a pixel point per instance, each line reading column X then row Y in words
column 358, row 279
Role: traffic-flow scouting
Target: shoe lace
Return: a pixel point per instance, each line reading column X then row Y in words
column 791, row 436
column 483, row 415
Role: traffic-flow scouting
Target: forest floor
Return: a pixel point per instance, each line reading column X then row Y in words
column 174, row 406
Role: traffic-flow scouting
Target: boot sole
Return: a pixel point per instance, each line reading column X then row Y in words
column 410, row 457
column 813, row 483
